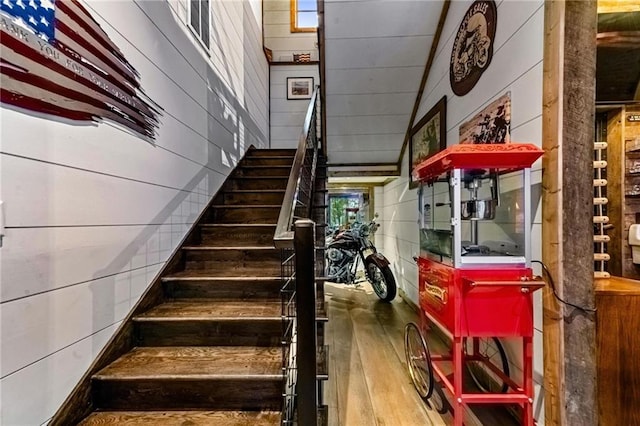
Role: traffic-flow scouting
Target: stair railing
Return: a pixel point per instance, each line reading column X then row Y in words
column 295, row 236
column 299, row 193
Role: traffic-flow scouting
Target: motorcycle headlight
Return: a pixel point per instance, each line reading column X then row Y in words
column 334, row 255
column 364, row 230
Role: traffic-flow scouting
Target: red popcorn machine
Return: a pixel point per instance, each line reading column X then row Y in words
column 475, row 279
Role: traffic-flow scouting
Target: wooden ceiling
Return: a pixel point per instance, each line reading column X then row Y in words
column 618, row 66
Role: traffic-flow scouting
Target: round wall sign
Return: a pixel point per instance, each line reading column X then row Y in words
column 473, row 46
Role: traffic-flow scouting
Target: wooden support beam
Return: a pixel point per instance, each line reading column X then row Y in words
column 615, row 188
column 567, row 242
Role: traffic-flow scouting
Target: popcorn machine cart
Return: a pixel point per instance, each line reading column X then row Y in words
column 475, row 277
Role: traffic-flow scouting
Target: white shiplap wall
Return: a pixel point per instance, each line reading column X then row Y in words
column 93, row 212
column 516, row 67
column 278, row 36
column 287, row 116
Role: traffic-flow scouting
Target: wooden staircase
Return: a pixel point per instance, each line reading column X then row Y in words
column 204, row 345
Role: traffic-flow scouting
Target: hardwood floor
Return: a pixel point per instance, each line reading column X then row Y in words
column 369, row 383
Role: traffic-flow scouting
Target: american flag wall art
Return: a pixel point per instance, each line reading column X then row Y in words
column 56, row 59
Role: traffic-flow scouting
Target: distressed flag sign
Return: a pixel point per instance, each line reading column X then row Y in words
column 56, row 59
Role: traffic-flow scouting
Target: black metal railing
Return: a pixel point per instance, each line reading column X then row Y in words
column 295, row 236
column 299, row 194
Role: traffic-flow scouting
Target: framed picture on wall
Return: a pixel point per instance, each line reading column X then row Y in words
column 299, row 87
column 491, row 125
column 428, row 137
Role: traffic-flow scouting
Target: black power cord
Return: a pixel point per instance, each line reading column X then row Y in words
column 555, row 294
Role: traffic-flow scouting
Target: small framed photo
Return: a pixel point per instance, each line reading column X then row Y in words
column 299, row 87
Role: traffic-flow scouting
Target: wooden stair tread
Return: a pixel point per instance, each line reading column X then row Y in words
column 246, row 206
column 245, row 272
column 253, row 191
column 191, row 418
column 251, row 157
column 213, row 309
column 219, row 248
column 267, row 166
column 189, row 276
column 260, row 177
column 238, row 225
column 197, row 362
column 235, row 225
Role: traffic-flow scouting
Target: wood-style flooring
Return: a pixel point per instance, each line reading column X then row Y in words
column 368, row 381
column 369, row 384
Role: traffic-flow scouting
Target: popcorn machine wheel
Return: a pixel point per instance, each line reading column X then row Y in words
column 475, row 279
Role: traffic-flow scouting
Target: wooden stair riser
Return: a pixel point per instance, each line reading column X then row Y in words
column 252, row 197
column 185, row 394
column 276, row 152
column 255, row 183
column 226, row 261
column 237, row 236
column 244, row 214
column 265, row 170
column 268, row 161
column 233, row 270
column 223, row 289
column 248, row 332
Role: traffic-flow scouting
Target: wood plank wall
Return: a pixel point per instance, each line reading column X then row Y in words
column 93, row 212
column 287, row 115
column 623, row 187
column 516, row 67
column 631, row 184
column 615, row 190
column 278, row 36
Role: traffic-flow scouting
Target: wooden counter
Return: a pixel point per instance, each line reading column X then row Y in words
column 618, row 350
column 617, row 285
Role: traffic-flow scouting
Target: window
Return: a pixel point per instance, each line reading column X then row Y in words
column 304, row 16
column 199, row 20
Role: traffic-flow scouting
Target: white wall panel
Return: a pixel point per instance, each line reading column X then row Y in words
column 359, row 156
column 384, row 18
column 383, row 52
column 287, row 116
column 360, row 81
column 44, row 259
column 31, row 327
column 31, row 395
column 366, row 125
column 68, row 196
column 289, row 119
column 368, row 104
column 377, row 142
column 94, row 211
column 81, row 150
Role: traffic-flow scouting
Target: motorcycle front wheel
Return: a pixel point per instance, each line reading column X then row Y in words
column 382, row 281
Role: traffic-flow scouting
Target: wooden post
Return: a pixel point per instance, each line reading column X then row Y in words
column 567, row 242
column 306, row 387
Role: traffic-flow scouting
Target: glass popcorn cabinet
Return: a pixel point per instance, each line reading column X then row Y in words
column 475, row 277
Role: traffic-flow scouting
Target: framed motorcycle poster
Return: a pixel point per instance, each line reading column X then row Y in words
column 428, row 137
column 473, row 46
column 491, row 125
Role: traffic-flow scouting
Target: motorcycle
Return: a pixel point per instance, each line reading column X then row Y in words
column 350, row 247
